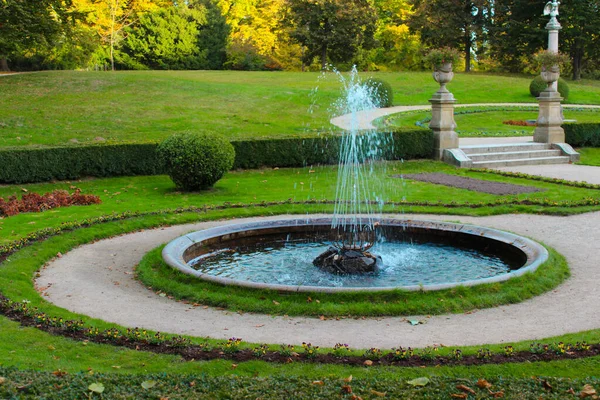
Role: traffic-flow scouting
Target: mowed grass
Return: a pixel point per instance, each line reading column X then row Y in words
column 59, row 107
column 475, row 122
column 150, row 193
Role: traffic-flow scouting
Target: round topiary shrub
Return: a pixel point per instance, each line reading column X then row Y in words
column 196, row 161
column 383, row 94
column 538, row 85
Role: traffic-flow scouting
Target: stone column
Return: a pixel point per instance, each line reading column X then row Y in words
column 550, row 118
column 553, row 26
column 442, row 122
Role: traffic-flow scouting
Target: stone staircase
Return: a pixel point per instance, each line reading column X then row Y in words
column 507, row 155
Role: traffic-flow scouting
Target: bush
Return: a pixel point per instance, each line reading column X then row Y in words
column 40, row 164
column 196, row 161
column 538, row 85
column 383, row 94
column 582, row 135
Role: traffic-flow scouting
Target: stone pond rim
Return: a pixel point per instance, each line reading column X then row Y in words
column 528, row 253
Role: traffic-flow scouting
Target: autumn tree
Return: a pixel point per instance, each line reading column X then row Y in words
column 397, row 47
column 110, row 18
column 332, row 29
column 27, row 24
column 460, row 24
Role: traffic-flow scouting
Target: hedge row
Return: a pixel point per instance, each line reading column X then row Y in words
column 39, row 164
column 583, row 135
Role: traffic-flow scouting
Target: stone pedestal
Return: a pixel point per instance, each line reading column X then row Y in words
column 442, row 122
column 550, row 119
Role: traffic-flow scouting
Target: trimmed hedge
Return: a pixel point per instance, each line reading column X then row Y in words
column 39, row 164
column 582, row 135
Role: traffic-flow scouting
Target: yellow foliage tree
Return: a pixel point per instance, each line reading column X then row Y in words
column 108, row 18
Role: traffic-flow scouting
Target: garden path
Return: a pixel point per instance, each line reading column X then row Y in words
column 364, row 119
column 98, row 280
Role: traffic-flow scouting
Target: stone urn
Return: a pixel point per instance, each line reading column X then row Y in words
column 443, row 74
column 550, row 75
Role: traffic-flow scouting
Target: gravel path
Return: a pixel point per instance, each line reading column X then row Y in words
column 97, row 280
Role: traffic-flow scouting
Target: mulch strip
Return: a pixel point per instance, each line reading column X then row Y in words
column 476, row 185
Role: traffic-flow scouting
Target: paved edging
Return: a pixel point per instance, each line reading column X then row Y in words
column 97, row 280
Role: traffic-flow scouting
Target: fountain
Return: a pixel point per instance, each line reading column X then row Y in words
column 355, row 249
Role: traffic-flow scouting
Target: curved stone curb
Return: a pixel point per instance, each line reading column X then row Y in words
column 174, row 252
column 98, row 280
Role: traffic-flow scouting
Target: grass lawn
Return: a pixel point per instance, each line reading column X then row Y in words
column 56, row 107
column 475, row 122
column 65, row 106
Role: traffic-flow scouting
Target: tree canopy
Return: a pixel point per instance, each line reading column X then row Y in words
column 492, row 35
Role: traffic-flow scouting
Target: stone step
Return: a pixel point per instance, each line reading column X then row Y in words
column 514, row 155
column 521, row 161
column 505, row 147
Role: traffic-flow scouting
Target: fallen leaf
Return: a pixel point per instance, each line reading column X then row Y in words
column 322, row 318
column 259, row 326
column 346, row 389
column 376, row 393
column 497, row 395
column 459, row 395
column 2, row 380
column 587, row 391
column 193, row 383
column 163, row 295
column 24, row 190
column 59, row 373
column 368, row 363
column 116, row 366
column 275, row 302
column 96, row 387
column 348, row 379
column 546, row 385
column 234, row 366
column 320, row 383
column 465, row 388
column 148, row 384
column 419, row 381
column 483, row 384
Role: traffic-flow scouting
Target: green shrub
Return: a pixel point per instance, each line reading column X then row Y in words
column 538, row 85
column 383, row 94
column 39, row 164
column 196, row 161
column 582, row 135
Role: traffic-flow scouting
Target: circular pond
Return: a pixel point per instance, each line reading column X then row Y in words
column 416, row 255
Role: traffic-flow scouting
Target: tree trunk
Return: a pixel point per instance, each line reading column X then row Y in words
column 324, row 57
column 4, row 64
column 468, row 51
column 577, row 53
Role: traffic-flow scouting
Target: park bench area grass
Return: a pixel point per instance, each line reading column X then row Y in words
column 50, row 108
column 61, row 107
